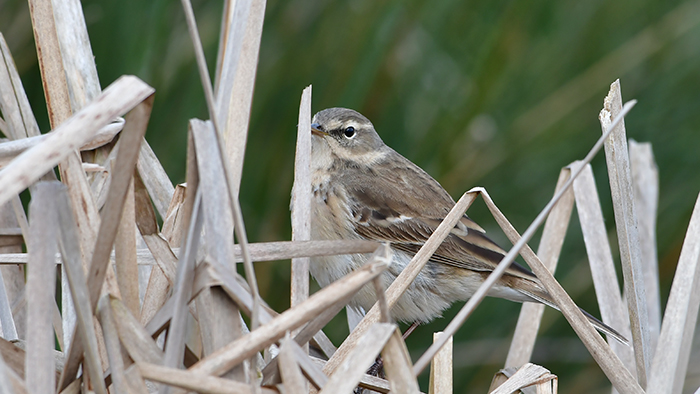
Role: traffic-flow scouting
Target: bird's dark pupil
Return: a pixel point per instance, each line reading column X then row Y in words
column 349, row 131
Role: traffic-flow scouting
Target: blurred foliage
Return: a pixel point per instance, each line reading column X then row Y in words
column 475, row 92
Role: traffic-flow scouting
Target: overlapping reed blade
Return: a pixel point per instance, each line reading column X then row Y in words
column 527, row 376
column 441, row 368
column 301, row 199
column 607, row 288
column 601, row 352
column 670, row 361
column 41, row 283
column 617, row 159
column 523, row 342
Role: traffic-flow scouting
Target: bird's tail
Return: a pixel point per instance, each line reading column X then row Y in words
column 542, row 296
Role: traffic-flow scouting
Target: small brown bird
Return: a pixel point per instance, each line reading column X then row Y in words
column 363, row 189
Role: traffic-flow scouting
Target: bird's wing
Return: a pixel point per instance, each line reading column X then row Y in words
column 387, row 207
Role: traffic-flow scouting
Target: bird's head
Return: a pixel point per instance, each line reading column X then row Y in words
column 345, row 133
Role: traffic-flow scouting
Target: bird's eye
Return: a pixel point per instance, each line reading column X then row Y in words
column 349, row 132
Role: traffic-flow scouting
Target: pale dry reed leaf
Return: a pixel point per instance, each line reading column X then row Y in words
column 194, row 381
column 114, row 353
column 147, row 224
column 126, row 264
column 69, row 244
column 308, row 367
column 13, row 357
column 397, row 365
column 137, row 341
column 8, row 378
column 41, row 283
column 607, row 288
column 359, row 359
column 130, row 140
column 235, row 352
column 13, row 99
column 220, row 323
column 617, row 159
column 12, row 278
column 305, row 334
column 441, row 369
column 56, row 83
column 553, row 234
column 163, row 276
column 645, row 182
column 50, row 61
column 157, row 182
column 8, row 328
column 76, row 54
column 527, row 375
column 601, row 352
column 122, row 95
column 673, row 349
column 135, row 381
column 292, row 379
column 237, row 80
column 301, row 200
column 219, row 316
column 183, row 289
column 262, row 251
column 172, row 230
column 368, row 382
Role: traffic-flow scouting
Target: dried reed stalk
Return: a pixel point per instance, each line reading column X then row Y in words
column 617, row 158
column 441, row 369
column 523, row 342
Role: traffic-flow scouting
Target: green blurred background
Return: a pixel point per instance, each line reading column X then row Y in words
column 500, row 94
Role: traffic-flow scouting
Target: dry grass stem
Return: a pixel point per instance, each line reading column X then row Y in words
column 617, row 159
column 673, row 350
column 607, row 288
column 137, row 341
column 301, row 201
column 41, row 282
column 645, row 181
column 235, row 352
column 397, row 365
column 348, row 374
column 567, row 306
column 528, row 375
column 309, row 368
column 114, row 352
column 441, row 369
column 555, row 227
column 13, row 100
column 130, row 141
column 125, row 254
column 157, row 182
column 242, row 36
column 194, row 381
column 181, row 296
column 290, row 370
column 73, row 267
column 27, row 168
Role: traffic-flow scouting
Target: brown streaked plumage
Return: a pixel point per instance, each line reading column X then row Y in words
column 363, row 189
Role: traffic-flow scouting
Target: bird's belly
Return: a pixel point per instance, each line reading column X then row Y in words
column 430, row 293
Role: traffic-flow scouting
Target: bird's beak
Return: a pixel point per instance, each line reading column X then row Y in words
column 316, row 130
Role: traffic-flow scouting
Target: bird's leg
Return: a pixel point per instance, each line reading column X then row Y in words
column 377, row 369
column 410, row 330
